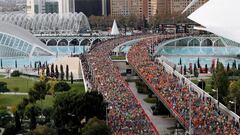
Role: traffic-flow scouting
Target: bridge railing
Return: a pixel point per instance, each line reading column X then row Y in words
column 200, row 91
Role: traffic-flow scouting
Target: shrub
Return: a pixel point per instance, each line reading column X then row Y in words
column 61, row 86
column 15, row 73
column 3, row 87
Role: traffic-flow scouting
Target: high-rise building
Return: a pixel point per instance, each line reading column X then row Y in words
column 164, row 7
column 177, row 6
column 66, row 6
column 51, row 7
column 35, row 7
column 106, row 7
column 140, row 8
column 93, row 7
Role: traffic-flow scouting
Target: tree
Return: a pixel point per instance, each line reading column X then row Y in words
column 38, row 92
column 16, row 65
column 71, row 78
column 56, row 70
column 67, row 72
column 180, row 61
column 17, row 121
column 32, row 112
column 196, row 73
column 185, row 69
column 3, row 87
column 4, row 118
column 21, row 107
column 61, row 86
column 72, row 108
column 198, row 63
column 47, row 71
column 228, row 67
column 206, row 68
column 234, row 65
column 94, row 105
column 220, row 81
column 1, row 64
column 62, row 72
column 15, row 73
column 67, row 112
column 96, row 127
column 52, row 70
column 44, row 130
column 234, row 91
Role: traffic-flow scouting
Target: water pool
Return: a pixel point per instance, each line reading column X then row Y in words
column 27, row 62
column 205, row 54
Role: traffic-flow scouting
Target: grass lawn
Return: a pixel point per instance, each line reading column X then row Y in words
column 18, row 82
column 13, row 100
column 208, row 81
column 10, row 100
column 2, row 76
column 48, row 102
column 78, row 86
column 118, row 57
column 150, row 100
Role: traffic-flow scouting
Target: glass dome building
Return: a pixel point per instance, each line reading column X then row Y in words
column 70, row 23
column 18, row 42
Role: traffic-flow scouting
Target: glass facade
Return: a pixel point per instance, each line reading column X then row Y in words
column 11, row 46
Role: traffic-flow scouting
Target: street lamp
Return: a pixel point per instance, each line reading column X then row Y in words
column 217, row 94
column 235, row 104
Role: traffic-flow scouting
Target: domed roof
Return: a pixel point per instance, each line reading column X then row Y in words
column 20, row 41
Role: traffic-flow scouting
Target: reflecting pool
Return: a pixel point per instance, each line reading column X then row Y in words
column 60, row 51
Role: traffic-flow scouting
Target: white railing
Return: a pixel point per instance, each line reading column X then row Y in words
column 200, row 91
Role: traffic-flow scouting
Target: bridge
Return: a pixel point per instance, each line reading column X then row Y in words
column 71, row 40
column 179, row 95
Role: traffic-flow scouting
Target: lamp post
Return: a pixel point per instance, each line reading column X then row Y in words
column 235, row 104
column 217, row 94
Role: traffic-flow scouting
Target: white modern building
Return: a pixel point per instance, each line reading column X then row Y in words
column 220, row 17
column 71, row 23
column 66, row 6
column 18, row 42
column 35, row 7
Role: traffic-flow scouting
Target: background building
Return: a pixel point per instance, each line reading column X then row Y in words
column 148, row 8
column 164, row 7
column 35, row 7
column 93, row 7
column 66, row 6
column 177, row 6
column 140, row 8
column 41, row 6
column 51, row 7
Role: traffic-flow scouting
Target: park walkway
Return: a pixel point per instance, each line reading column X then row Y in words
column 14, row 93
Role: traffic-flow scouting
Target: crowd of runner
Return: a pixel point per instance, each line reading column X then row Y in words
column 178, row 96
column 125, row 116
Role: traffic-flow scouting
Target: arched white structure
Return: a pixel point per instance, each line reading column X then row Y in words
column 71, row 23
column 17, row 42
column 220, row 17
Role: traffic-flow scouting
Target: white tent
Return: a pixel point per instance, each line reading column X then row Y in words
column 220, row 17
column 115, row 30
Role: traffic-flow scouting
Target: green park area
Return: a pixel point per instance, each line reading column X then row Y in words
column 10, row 100
column 2, row 76
column 118, row 57
column 24, row 85
column 208, row 82
column 18, row 84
